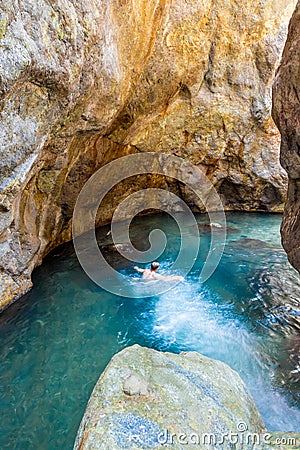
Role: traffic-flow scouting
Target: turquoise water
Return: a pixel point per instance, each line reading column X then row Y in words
column 56, row 341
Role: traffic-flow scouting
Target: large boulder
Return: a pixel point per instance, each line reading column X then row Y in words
column 146, row 398
column 82, row 83
column 286, row 113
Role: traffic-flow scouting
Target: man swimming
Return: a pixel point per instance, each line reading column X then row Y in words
column 152, row 273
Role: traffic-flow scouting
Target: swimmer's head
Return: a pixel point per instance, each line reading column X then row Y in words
column 154, row 265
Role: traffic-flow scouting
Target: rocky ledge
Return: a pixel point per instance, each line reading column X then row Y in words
column 148, row 399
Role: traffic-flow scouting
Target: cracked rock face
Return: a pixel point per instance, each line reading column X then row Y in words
column 286, row 113
column 82, row 83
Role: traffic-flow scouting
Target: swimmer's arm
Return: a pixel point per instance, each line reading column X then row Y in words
column 169, row 277
column 177, row 277
column 138, row 269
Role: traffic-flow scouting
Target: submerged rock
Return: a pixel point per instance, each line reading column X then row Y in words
column 247, row 243
column 147, row 399
column 279, row 287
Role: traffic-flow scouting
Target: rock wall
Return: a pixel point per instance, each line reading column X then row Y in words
column 286, row 113
column 149, row 399
column 82, row 83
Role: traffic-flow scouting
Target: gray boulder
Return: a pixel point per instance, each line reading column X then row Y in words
column 148, row 399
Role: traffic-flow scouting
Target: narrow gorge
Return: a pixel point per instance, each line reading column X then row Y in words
column 182, row 117
column 85, row 83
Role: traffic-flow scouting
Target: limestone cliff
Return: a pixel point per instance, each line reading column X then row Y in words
column 286, row 113
column 82, row 83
